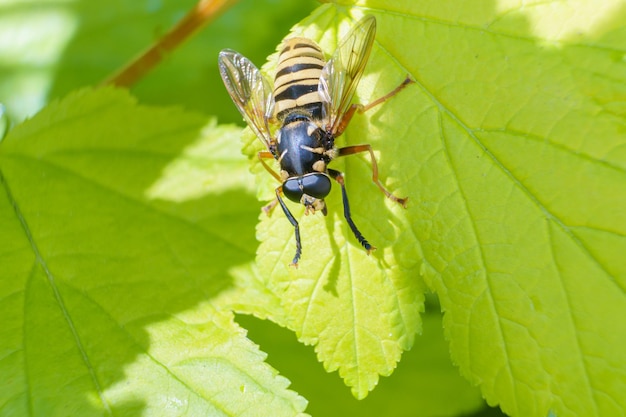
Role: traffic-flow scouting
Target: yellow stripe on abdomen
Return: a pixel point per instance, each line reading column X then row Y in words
column 298, row 72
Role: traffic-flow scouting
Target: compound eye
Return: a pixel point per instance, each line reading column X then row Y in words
column 292, row 189
column 316, row 185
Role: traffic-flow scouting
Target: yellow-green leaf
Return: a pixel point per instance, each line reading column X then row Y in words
column 110, row 260
column 511, row 147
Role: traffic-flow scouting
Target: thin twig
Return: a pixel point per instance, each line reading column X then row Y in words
column 202, row 13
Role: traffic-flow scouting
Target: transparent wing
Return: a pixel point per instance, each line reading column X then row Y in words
column 342, row 72
column 249, row 90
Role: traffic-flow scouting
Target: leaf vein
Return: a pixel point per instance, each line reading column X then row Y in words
column 51, row 279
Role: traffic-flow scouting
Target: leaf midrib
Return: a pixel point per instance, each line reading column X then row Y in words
column 57, row 295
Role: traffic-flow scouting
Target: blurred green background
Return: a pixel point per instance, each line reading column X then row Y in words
column 51, row 47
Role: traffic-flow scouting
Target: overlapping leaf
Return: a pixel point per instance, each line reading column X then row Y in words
column 110, row 262
column 511, row 148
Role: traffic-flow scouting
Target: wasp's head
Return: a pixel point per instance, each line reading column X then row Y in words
column 309, row 189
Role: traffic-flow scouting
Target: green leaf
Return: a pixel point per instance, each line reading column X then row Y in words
column 4, row 121
column 425, row 379
column 510, row 146
column 110, row 263
column 360, row 312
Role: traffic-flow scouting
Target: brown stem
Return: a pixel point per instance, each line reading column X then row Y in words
column 202, row 13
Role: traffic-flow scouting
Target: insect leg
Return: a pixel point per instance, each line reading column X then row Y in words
column 267, row 209
column 294, row 223
column 362, row 108
column 338, row 176
column 268, row 155
column 350, row 150
column 387, row 96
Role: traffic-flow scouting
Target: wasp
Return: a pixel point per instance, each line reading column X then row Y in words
column 299, row 120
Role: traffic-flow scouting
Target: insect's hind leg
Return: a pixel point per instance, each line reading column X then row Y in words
column 351, row 150
column 387, row 96
column 295, row 225
column 338, row 176
column 362, row 108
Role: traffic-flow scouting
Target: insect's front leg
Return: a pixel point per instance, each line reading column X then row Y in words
column 351, row 150
column 338, row 176
column 294, row 223
column 362, row 108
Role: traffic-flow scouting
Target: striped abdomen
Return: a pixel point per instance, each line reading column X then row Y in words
column 298, row 73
